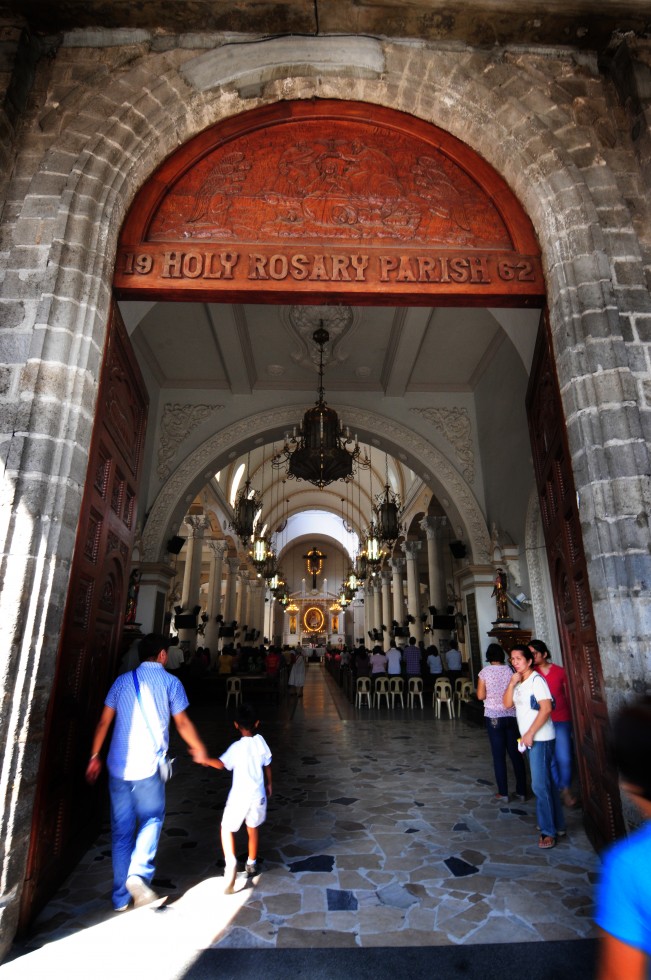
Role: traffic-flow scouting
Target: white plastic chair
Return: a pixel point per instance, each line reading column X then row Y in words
column 462, row 692
column 396, row 687
column 234, row 690
column 363, row 691
column 443, row 695
column 381, row 691
column 415, row 690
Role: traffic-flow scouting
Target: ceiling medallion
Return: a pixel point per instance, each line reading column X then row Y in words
column 316, row 451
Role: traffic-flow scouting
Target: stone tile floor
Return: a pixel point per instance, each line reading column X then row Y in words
column 381, row 831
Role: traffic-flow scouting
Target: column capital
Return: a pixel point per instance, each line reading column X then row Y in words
column 218, row 548
column 198, row 523
column 397, row 565
column 233, row 565
column 411, row 549
column 433, row 526
column 386, row 575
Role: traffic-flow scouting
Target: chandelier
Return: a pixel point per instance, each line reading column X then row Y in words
column 247, row 504
column 388, row 512
column 317, row 453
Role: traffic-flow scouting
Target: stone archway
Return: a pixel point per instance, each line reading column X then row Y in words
column 154, row 103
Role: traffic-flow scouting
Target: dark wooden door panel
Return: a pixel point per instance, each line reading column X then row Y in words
column 572, row 599
column 65, row 814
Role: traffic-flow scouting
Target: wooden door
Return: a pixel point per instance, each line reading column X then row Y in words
column 572, row 599
column 65, row 811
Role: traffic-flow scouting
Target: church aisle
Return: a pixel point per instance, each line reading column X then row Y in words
column 382, row 831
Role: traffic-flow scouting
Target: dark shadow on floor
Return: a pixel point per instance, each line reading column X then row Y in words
column 573, row 960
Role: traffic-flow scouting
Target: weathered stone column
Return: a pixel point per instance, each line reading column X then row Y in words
column 214, row 607
column 386, row 608
column 411, row 549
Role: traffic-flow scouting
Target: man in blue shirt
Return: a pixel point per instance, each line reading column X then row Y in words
column 412, row 658
column 140, row 735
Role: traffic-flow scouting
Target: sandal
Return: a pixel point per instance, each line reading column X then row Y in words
column 546, row 841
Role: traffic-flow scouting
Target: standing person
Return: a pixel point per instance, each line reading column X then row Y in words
column 434, row 662
column 561, row 716
column 529, row 693
column 135, row 786
column 394, row 661
column 297, row 673
column 362, row 663
column 175, row 659
column 453, row 663
column 411, row 658
column 378, row 664
column 501, row 725
column 624, row 892
column 249, row 759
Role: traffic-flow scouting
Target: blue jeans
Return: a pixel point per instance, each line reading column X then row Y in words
column 503, row 738
column 562, row 763
column 549, row 808
column 137, row 814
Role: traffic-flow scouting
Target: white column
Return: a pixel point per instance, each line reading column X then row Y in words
column 377, row 605
column 231, row 590
column 397, row 570
column 411, row 549
column 433, row 527
column 194, row 555
column 386, row 608
column 218, row 550
column 190, row 597
column 257, row 614
column 368, row 611
column 238, row 600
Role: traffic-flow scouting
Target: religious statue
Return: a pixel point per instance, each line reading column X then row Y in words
column 132, row 596
column 499, row 591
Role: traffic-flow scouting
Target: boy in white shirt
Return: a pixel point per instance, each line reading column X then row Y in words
column 249, row 759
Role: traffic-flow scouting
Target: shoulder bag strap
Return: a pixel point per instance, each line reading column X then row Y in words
column 159, row 749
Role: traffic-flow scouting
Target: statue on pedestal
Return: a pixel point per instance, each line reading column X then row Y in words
column 499, row 591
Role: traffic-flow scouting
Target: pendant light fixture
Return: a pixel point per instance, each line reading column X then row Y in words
column 317, row 450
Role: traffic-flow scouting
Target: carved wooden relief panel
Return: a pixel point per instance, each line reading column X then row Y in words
column 327, row 197
column 573, row 602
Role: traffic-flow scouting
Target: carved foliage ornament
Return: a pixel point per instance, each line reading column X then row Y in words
column 176, row 423
column 455, row 425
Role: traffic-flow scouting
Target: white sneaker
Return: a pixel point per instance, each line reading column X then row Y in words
column 140, row 891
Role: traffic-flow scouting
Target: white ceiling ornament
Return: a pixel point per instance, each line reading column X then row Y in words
column 455, row 425
column 177, row 421
column 301, row 322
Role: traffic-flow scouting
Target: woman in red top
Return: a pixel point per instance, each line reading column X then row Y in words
column 561, row 716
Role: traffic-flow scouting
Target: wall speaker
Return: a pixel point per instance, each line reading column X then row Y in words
column 175, row 544
column 458, row 549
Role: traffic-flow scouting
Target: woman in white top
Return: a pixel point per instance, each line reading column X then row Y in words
column 529, row 693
